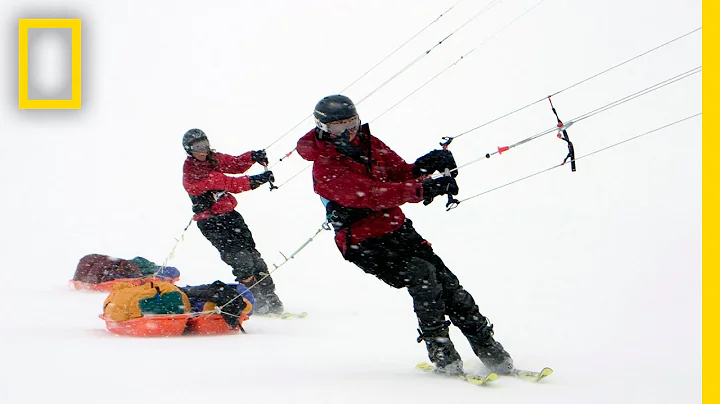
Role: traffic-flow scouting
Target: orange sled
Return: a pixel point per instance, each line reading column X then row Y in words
column 212, row 324
column 167, row 325
column 108, row 286
column 161, row 325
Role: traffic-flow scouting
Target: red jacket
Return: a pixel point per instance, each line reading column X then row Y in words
column 381, row 186
column 202, row 176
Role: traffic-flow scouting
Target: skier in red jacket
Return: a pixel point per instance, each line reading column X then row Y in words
column 363, row 183
column 210, row 191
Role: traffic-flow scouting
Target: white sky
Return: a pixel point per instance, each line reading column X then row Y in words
column 596, row 273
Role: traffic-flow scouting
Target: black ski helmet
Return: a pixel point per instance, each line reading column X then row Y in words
column 192, row 136
column 333, row 108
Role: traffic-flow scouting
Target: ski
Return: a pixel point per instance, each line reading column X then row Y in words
column 531, row 376
column 284, row 316
column 477, row 380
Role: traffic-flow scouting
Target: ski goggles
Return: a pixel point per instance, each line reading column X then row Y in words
column 338, row 127
column 200, row 146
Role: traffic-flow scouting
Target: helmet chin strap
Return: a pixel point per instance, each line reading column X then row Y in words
column 322, row 135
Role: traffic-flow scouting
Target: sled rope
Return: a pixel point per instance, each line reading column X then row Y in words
column 172, row 250
column 324, row 226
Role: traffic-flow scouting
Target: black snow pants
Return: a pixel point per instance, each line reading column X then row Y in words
column 229, row 234
column 404, row 259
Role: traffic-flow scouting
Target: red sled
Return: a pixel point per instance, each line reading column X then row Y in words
column 160, row 325
column 212, row 324
column 168, row 325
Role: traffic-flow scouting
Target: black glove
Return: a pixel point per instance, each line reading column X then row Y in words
column 436, row 160
column 257, row 180
column 259, row 156
column 438, row 186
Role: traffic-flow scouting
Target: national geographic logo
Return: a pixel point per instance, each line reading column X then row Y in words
column 64, row 89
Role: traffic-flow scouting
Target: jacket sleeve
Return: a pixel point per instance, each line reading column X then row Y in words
column 234, row 164
column 215, row 181
column 397, row 168
column 337, row 183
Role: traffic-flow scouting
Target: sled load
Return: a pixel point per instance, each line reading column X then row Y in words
column 101, row 272
column 158, row 308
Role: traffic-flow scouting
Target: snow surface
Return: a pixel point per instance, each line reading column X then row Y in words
column 595, row 273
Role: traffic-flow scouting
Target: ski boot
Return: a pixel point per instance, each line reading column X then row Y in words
column 491, row 353
column 268, row 304
column 441, row 350
column 266, row 300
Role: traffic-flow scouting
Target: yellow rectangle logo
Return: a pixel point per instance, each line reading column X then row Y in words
column 75, row 26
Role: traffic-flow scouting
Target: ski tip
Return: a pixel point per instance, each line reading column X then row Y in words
column 294, row 315
column 546, row 372
column 532, row 376
column 491, row 377
column 478, row 380
column 284, row 316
